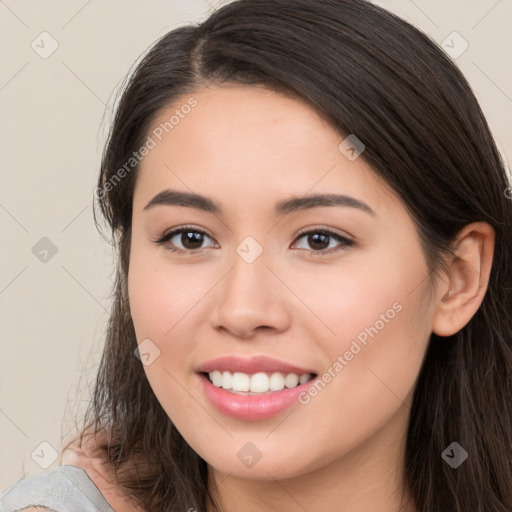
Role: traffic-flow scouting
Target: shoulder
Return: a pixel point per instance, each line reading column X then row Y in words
column 90, row 454
column 36, row 509
column 63, row 489
column 86, row 474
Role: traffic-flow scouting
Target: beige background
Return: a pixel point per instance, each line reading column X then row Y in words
column 54, row 121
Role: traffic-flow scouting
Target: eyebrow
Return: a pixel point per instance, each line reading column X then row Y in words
column 170, row 197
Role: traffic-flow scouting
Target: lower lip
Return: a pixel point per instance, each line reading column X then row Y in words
column 252, row 407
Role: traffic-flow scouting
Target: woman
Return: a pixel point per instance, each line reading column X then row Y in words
column 313, row 299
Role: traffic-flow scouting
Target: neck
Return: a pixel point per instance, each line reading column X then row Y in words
column 369, row 478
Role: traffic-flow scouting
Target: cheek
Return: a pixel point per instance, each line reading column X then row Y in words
column 382, row 323
column 162, row 301
column 367, row 288
column 158, row 311
column 379, row 320
column 372, row 366
column 163, row 294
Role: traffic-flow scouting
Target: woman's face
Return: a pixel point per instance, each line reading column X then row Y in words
column 251, row 281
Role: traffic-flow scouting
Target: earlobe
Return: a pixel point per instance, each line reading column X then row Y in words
column 467, row 277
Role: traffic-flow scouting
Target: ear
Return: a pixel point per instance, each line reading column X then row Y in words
column 459, row 298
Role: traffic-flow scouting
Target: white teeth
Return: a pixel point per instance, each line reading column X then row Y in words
column 291, row 380
column 216, row 378
column 227, row 380
column 240, row 382
column 276, row 382
column 304, row 378
column 260, row 382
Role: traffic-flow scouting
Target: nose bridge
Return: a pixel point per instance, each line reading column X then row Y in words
column 249, row 275
column 250, row 295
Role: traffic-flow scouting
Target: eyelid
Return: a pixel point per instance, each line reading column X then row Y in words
column 326, row 229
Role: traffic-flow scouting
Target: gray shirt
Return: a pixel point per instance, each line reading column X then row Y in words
column 63, row 489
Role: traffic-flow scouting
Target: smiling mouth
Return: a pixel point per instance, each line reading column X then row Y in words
column 257, row 383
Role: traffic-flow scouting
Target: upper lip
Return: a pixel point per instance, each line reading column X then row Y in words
column 251, row 365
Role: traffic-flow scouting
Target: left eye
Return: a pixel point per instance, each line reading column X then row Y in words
column 191, row 240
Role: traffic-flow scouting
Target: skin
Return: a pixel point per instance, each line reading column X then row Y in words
column 247, row 148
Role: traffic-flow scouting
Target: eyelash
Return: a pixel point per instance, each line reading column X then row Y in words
column 345, row 242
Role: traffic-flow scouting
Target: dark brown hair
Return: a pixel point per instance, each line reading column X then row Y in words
column 373, row 75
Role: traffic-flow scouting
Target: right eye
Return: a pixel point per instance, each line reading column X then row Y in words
column 189, row 236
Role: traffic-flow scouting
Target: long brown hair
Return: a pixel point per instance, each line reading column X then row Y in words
column 373, row 75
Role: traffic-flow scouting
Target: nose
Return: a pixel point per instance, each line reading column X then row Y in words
column 251, row 299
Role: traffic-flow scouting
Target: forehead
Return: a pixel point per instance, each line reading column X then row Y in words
column 249, row 146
